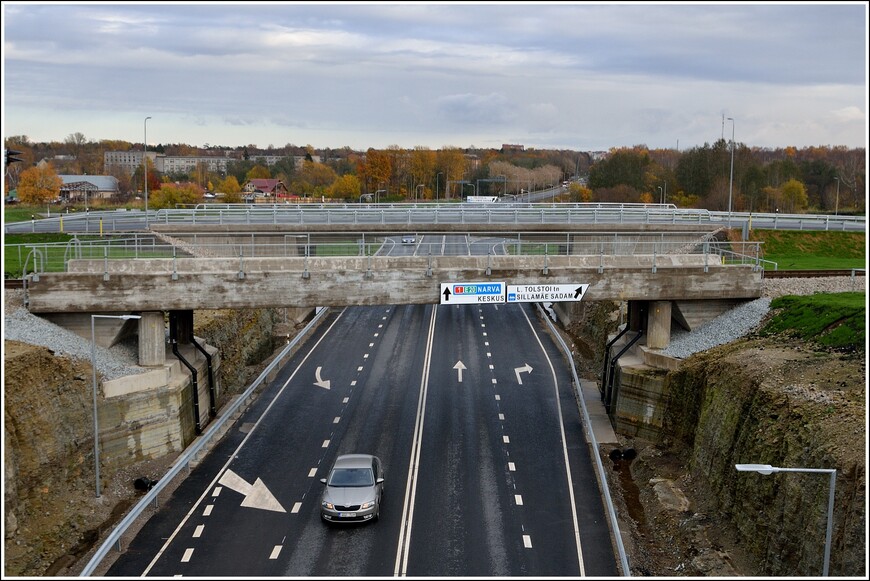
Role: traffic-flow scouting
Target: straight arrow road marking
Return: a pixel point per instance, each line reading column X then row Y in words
column 459, row 367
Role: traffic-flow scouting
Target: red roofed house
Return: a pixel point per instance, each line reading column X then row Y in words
column 265, row 187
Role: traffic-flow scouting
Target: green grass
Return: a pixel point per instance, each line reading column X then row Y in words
column 19, row 213
column 54, row 249
column 793, row 250
column 834, row 320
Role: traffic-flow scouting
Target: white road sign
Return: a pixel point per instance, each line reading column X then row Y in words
column 463, row 293
column 545, row 293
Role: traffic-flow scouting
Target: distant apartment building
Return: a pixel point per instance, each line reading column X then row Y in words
column 506, row 147
column 129, row 161
column 172, row 164
column 126, row 160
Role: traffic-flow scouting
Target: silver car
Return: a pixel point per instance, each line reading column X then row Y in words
column 354, row 488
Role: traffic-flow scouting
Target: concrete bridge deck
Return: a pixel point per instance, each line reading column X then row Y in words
column 218, row 283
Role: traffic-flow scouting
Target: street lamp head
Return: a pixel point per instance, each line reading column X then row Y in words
column 760, row 468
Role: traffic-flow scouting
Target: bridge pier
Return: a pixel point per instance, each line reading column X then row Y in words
column 152, row 339
column 658, row 324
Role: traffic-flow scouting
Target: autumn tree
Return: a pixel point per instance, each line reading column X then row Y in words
column 422, row 166
column 794, row 195
column 624, row 166
column 347, row 187
column 258, row 172
column 451, row 161
column 578, row 193
column 377, row 169
column 155, row 178
column 172, row 195
column 39, row 185
column 231, row 190
column 230, row 185
column 312, row 179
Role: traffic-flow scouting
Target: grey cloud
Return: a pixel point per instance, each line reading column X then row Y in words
column 475, row 109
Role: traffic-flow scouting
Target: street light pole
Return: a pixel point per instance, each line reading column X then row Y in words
column 94, row 368
column 378, row 196
column 837, row 203
column 145, row 161
column 731, row 180
column 767, row 469
column 661, row 196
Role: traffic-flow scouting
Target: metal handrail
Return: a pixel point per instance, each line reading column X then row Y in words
column 449, row 213
column 593, row 442
column 190, row 453
column 361, row 244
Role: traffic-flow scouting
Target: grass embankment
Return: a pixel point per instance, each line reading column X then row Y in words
column 834, row 320
column 803, row 250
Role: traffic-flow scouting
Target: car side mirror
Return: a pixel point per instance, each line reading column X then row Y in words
column 323, row 480
column 380, row 481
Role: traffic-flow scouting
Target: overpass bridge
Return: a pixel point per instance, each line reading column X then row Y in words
column 217, row 267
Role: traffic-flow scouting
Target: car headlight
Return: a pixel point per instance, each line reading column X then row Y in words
column 328, row 505
column 366, row 505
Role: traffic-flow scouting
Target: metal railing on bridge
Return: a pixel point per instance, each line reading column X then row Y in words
column 421, row 214
column 411, row 215
column 55, row 257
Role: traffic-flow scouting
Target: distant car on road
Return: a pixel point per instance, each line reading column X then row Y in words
column 209, row 196
column 408, row 239
column 354, row 488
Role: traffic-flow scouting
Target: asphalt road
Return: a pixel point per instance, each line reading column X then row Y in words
column 487, row 471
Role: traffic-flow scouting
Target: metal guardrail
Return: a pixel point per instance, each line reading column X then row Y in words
column 188, row 456
column 55, row 257
column 593, row 442
column 779, row 221
column 410, row 215
column 420, row 214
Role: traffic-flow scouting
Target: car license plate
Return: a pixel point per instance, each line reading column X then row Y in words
column 347, row 515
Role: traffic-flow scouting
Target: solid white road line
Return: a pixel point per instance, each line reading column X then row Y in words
column 404, row 544
column 564, row 450
column 234, row 454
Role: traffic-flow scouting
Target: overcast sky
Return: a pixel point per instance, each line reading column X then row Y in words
column 581, row 76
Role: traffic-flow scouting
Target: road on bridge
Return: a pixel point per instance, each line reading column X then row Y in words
column 472, row 411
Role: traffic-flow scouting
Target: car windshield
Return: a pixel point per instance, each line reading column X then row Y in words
column 351, row 477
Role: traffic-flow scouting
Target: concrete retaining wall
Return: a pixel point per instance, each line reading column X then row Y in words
column 151, row 416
